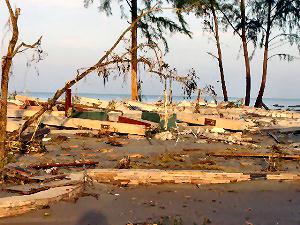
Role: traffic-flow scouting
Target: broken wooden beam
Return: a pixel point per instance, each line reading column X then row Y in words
column 28, row 189
column 254, row 155
column 16, row 205
column 72, row 164
column 153, row 176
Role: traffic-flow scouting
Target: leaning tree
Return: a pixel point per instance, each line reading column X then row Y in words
column 112, row 61
column 14, row 48
column 278, row 23
column 152, row 26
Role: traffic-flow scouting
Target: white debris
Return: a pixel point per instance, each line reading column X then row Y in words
column 217, row 130
column 164, row 136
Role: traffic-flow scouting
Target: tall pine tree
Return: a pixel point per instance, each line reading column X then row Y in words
column 153, row 26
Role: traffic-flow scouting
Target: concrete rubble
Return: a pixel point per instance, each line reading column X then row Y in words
column 203, row 135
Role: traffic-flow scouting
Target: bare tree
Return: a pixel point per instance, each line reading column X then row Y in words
column 7, row 60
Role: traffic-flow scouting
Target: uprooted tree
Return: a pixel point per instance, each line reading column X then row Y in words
column 13, row 49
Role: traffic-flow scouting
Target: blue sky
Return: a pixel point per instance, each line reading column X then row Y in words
column 76, row 37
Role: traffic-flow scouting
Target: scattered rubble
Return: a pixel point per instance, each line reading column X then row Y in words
column 256, row 134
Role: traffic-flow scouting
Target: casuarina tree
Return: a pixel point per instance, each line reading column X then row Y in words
column 277, row 23
column 208, row 11
column 152, row 26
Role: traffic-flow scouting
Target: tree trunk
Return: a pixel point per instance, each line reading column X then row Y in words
column 134, row 61
column 6, row 66
column 246, row 54
column 220, row 58
column 259, row 99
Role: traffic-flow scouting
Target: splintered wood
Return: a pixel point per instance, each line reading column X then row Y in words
column 160, row 176
column 153, row 176
column 15, row 205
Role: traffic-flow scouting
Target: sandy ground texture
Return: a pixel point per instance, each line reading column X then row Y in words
column 187, row 153
column 257, row 202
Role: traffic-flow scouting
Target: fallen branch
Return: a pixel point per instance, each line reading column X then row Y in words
column 255, row 155
column 75, row 164
column 100, row 64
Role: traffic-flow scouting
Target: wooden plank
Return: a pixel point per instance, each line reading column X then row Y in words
column 72, row 164
column 95, row 125
column 212, row 121
column 153, row 176
column 29, row 189
column 16, row 205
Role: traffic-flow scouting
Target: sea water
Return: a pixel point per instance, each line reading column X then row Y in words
column 284, row 103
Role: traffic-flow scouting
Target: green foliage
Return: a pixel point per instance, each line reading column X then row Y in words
column 282, row 17
column 153, row 26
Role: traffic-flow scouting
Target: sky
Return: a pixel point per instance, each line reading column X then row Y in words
column 76, row 37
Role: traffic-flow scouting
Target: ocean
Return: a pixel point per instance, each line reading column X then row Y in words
column 284, row 103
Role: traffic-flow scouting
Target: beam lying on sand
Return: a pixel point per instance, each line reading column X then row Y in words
column 28, row 189
column 212, row 121
column 16, row 205
column 255, row 155
column 106, row 126
column 153, row 176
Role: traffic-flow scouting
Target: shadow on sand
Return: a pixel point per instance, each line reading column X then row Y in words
column 93, row 217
